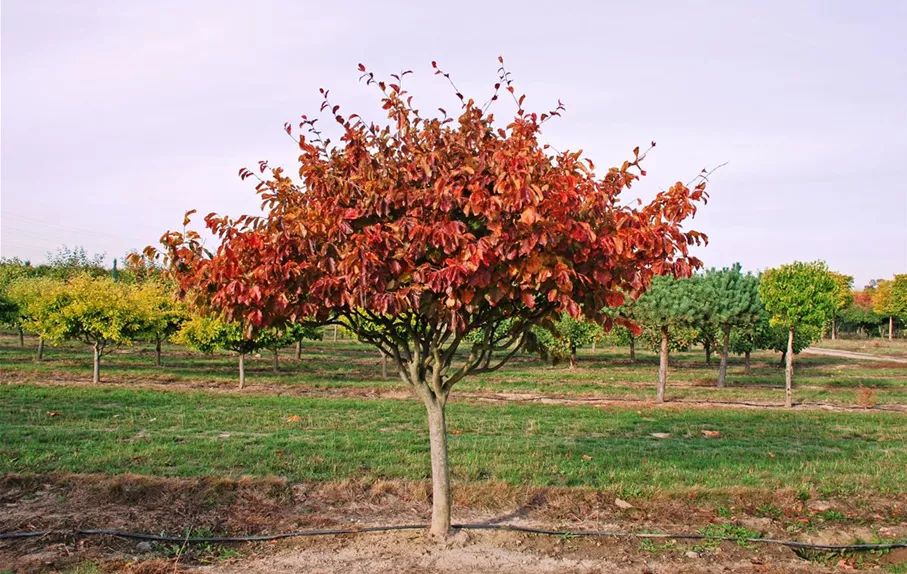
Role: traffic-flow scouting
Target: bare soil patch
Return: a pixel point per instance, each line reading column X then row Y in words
column 67, row 503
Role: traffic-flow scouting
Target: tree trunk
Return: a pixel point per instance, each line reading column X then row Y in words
column 789, row 370
column 783, row 358
column 335, row 333
column 276, row 361
column 298, row 355
column 573, row 356
column 746, row 363
column 440, row 470
column 21, row 337
column 40, row 349
column 157, row 352
column 890, row 328
column 708, row 352
column 633, row 350
column 722, row 368
column 383, row 366
column 662, row 367
column 834, row 325
column 242, row 370
column 96, row 375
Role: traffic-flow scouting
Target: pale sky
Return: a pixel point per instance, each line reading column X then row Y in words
column 117, row 117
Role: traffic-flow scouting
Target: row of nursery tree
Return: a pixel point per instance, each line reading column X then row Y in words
column 74, row 297
column 784, row 309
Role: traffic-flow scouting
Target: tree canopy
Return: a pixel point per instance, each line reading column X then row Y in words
column 417, row 231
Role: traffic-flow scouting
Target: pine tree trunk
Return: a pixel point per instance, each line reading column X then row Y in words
column 722, row 368
column 21, row 337
column 890, row 329
column 276, row 361
column 440, row 470
column 383, row 366
column 662, row 367
column 96, row 374
column 789, row 370
column 40, row 349
column 157, row 352
column 633, row 350
column 298, row 355
column 573, row 356
column 242, row 370
column 746, row 363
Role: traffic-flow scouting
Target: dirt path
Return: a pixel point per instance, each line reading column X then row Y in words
column 469, row 396
column 854, row 355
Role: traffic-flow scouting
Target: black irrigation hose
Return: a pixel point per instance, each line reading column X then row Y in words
column 508, row 527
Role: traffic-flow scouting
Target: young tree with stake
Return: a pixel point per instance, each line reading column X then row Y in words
column 418, row 232
column 734, row 299
column 798, row 295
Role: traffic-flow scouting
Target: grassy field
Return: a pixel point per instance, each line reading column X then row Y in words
column 175, row 433
column 607, row 373
column 186, row 430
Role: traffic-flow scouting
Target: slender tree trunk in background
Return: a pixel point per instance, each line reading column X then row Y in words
column 662, row 367
column 890, row 329
column 276, row 361
column 157, row 352
column 440, row 469
column 383, row 366
column 834, row 325
column 336, row 332
column 573, row 356
column 708, row 353
column 593, row 345
column 722, row 367
column 242, row 370
column 96, row 375
column 21, row 337
column 746, row 363
column 789, row 370
column 633, row 349
column 783, row 358
column 298, row 354
column 40, row 349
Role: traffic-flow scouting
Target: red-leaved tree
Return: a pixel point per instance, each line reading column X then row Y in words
column 416, row 232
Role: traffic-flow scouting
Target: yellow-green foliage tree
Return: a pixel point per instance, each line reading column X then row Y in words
column 25, row 294
column 890, row 299
column 798, row 296
column 97, row 311
column 164, row 313
column 843, row 298
column 207, row 333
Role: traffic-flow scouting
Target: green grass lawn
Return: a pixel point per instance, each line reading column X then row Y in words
column 604, row 373
column 176, row 433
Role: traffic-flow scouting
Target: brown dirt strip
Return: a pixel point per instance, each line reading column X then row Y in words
column 854, row 355
column 471, row 396
column 66, row 502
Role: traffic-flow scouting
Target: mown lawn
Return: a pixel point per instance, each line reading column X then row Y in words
column 176, row 433
column 605, row 373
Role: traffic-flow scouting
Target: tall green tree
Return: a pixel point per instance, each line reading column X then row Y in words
column 798, row 295
column 734, row 300
column 668, row 304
